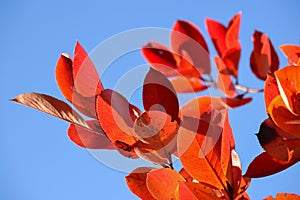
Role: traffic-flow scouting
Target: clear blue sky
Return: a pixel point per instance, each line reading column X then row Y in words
column 38, row 161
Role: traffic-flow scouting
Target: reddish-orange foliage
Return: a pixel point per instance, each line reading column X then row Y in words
column 199, row 132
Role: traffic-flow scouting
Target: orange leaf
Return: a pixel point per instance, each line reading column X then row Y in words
column 272, row 142
column 93, row 138
column 116, row 116
column 271, row 90
column 160, row 58
column 284, row 196
column 209, row 152
column 225, row 85
column 64, row 76
column 288, row 79
column 195, row 191
column 183, row 84
column 227, row 43
column 86, row 78
column 263, row 58
column 265, row 165
column 136, row 182
column 283, row 118
column 292, row 52
column 51, row 106
column 236, row 102
column 156, row 84
column 162, row 183
column 186, row 38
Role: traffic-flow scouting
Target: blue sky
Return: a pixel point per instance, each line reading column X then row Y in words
column 38, row 161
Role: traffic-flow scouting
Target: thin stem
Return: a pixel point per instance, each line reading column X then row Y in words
column 246, row 89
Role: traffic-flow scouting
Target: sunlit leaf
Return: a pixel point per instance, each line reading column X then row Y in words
column 283, row 118
column 160, row 57
column 86, row 78
column 231, row 58
column 292, row 52
column 271, row 90
column 195, row 191
column 162, row 183
column 51, row 106
column 288, row 79
column 183, row 84
column 265, row 165
column 225, row 85
column 136, row 181
column 264, row 59
column 236, row 101
column 187, row 41
column 92, row 138
column 156, row 84
column 284, row 196
column 116, row 116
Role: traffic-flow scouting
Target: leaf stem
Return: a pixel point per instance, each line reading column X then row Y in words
column 246, row 89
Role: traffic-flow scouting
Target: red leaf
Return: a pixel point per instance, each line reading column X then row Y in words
column 233, row 30
column 186, row 38
column 288, row 80
column 160, row 58
column 136, row 182
column 162, row 183
column 231, row 58
column 156, row 84
column 292, row 52
column 284, row 196
column 51, row 106
column 93, row 138
column 271, row 90
column 236, row 102
column 265, row 165
column 64, row 76
column 263, row 58
column 283, row 118
column 195, row 191
column 116, row 116
column 86, row 78
column 183, row 84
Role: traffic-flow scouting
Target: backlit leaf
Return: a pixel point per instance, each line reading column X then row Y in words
column 183, row 84
column 116, row 116
column 236, row 102
column 159, row 94
column 271, row 90
column 92, row 138
column 51, row 106
column 292, row 52
column 265, row 165
column 284, row 196
column 160, row 58
column 283, row 118
column 162, row 183
column 264, row 59
column 136, row 181
column 195, row 191
column 86, row 78
column 288, row 79
column 187, row 39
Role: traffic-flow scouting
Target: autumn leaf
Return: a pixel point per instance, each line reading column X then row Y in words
column 86, row 78
column 226, row 42
column 92, row 138
column 292, row 52
column 156, row 84
column 136, row 181
column 283, row 118
column 264, row 59
column 51, row 106
column 270, row 90
column 188, row 41
column 236, row 101
column 288, row 79
column 160, row 58
column 284, row 196
column 195, row 191
column 116, row 116
column 183, row 84
column 265, row 165
column 162, row 183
